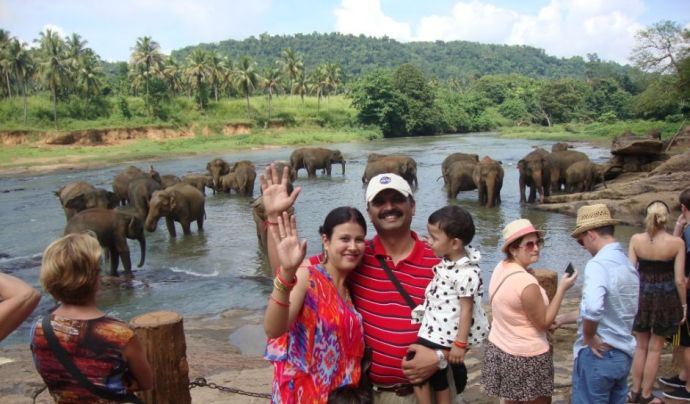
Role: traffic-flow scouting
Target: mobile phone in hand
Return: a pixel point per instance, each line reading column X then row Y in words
column 410, row 355
column 569, row 270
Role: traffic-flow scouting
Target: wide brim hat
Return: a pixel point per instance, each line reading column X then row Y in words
column 516, row 229
column 387, row 181
column 591, row 217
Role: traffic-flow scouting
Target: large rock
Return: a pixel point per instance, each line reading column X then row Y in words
column 629, row 144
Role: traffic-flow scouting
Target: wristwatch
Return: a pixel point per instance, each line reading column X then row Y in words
column 442, row 362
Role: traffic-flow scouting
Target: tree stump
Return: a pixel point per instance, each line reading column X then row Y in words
column 548, row 280
column 162, row 335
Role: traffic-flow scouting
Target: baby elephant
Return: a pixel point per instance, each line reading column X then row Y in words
column 112, row 228
column 179, row 203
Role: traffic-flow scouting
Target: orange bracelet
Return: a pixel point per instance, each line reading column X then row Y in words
column 282, row 280
column 460, row 344
column 278, row 302
column 269, row 223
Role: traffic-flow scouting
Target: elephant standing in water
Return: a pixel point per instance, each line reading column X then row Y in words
column 559, row 162
column 112, row 228
column 488, row 177
column 122, row 180
column 404, row 166
column 315, row 158
column 583, row 175
column 217, row 168
column 452, row 158
column 535, row 173
column 461, row 177
column 179, row 203
column 80, row 195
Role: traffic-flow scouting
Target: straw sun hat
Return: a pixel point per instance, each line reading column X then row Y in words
column 591, row 217
column 516, row 229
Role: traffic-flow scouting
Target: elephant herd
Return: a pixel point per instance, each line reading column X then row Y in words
column 559, row 170
column 139, row 199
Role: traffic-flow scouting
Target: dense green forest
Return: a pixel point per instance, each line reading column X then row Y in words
column 398, row 89
column 460, row 60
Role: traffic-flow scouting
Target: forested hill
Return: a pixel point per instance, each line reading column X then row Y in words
column 443, row 60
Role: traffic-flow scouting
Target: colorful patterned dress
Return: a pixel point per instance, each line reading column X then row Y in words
column 322, row 350
column 95, row 346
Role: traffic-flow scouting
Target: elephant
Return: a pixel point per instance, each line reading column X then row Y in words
column 488, row 177
column 217, row 168
column 122, row 180
column 228, row 183
column 140, row 192
column 165, row 180
column 259, row 217
column 245, row 176
column 556, row 147
column 559, row 162
column 112, row 228
column 280, row 166
column 199, row 181
column 535, row 173
column 179, row 203
column 452, row 159
column 315, row 158
column 78, row 196
column 404, row 166
column 460, row 177
column 583, row 175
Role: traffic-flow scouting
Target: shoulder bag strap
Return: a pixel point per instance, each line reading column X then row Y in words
column 62, row 355
column 491, row 299
column 396, row 282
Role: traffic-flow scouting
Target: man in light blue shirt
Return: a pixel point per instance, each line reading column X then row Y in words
column 605, row 345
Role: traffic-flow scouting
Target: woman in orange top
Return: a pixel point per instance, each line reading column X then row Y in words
column 518, row 363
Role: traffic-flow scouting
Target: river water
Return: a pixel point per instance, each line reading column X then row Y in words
column 221, row 268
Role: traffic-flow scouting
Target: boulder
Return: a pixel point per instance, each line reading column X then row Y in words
column 629, row 144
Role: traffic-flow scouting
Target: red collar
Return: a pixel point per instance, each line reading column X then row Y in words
column 415, row 255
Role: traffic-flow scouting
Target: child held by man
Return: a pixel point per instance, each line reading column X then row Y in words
column 452, row 317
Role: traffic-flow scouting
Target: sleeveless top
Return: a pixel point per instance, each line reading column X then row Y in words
column 323, row 348
column 659, row 301
column 95, row 346
column 511, row 330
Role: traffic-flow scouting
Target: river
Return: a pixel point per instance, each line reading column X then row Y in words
column 221, row 268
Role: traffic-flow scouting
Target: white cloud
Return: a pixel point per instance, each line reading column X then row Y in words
column 563, row 28
column 366, row 17
column 55, row 28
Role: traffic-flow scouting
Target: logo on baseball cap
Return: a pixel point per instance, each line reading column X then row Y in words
column 387, row 181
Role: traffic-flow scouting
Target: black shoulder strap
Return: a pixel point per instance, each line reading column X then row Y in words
column 64, row 359
column 396, row 282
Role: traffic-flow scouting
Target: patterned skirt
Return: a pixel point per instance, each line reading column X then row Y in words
column 517, row 378
column 659, row 309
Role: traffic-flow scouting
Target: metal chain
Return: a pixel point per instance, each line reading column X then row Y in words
column 201, row 382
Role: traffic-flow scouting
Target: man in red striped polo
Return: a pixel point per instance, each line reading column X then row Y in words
column 386, row 314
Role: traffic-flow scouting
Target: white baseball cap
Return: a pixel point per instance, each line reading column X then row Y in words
column 387, row 181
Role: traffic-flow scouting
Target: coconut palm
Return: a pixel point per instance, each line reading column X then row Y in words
column 75, row 48
column 292, row 64
column 333, row 75
column 216, row 71
column 246, row 78
column 146, row 53
column 319, row 84
column 198, row 71
column 300, row 86
column 21, row 65
column 89, row 74
column 271, row 82
column 5, row 69
column 52, row 69
column 172, row 74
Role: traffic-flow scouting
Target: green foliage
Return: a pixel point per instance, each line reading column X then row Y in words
column 378, row 103
column 124, row 108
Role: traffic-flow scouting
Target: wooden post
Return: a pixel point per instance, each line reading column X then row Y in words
column 162, row 335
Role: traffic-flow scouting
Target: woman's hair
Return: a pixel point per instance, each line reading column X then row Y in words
column 455, row 221
column 516, row 244
column 657, row 216
column 343, row 214
column 70, row 268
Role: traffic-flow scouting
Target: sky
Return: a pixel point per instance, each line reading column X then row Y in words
column 563, row 28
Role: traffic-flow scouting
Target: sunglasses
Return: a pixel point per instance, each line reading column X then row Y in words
column 531, row 245
column 581, row 242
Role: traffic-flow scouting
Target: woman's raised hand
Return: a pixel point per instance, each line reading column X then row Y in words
column 274, row 191
column 291, row 250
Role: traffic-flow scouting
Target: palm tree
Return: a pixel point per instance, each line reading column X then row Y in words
column 53, row 65
column 319, row 84
column 21, row 65
column 271, row 82
column 172, row 74
column 89, row 74
column 292, row 64
column 300, row 86
column 333, row 73
column 198, row 71
column 216, row 71
column 146, row 53
column 75, row 48
column 246, row 77
column 5, row 68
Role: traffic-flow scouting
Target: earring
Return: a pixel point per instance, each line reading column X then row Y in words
column 325, row 257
